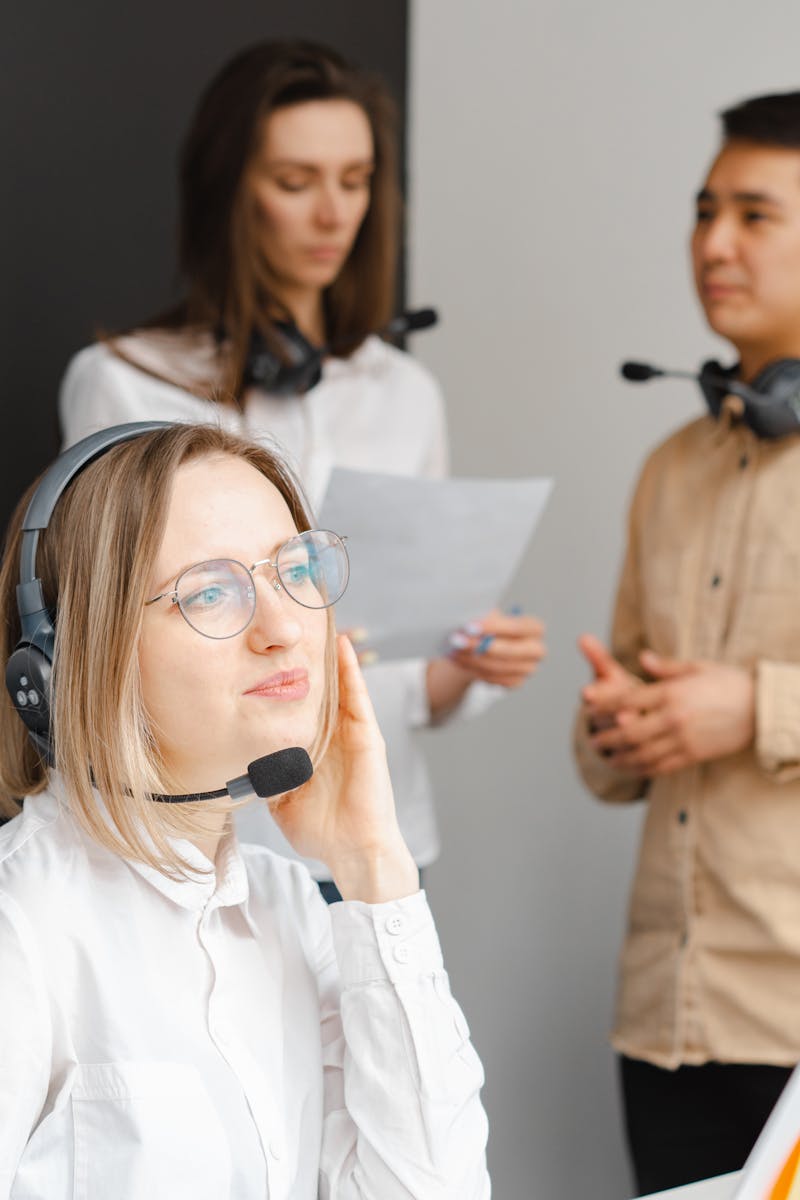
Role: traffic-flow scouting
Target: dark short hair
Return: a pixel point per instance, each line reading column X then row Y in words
column 772, row 120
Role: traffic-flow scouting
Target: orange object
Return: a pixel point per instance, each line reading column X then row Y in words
column 787, row 1185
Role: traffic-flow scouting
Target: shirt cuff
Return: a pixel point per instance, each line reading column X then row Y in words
column 392, row 942
column 778, row 718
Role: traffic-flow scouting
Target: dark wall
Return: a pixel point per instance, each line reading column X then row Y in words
column 96, row 97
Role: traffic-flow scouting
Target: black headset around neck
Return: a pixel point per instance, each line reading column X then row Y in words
column 30, row 667
column 298, row 367
column 769, row 404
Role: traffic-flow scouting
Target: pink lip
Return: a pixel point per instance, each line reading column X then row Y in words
column 325, row 253
column 718, row 291
column 283, row 685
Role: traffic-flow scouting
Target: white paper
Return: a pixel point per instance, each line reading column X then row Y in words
column 427, row 555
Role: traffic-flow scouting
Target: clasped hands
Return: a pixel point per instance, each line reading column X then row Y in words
column 690, row 712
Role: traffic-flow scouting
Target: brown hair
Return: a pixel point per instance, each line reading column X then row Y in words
column 95, row 559
column 219, row 257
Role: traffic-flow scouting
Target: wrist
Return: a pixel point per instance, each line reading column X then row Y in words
column 446, row 684
column 377, row 876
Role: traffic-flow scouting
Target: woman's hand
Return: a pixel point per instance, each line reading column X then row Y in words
column 345, row 814
column 502, row 648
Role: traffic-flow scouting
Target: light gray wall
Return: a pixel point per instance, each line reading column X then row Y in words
column 555, row 147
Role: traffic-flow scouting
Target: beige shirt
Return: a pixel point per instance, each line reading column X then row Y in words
column 710, row 968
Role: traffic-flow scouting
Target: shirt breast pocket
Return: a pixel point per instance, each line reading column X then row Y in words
column 147, row 1131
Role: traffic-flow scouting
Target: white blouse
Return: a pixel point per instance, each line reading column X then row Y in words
column 226, row 1037
column 379, row 410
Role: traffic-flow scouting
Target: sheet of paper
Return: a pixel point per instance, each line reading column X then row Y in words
column 427, row 555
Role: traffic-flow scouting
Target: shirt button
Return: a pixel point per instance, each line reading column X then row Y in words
column 401, row 954
column 395, row 925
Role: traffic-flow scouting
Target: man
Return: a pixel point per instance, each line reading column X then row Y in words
column 697, row 706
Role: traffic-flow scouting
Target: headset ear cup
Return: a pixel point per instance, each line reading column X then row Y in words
column 296, row 373
column 710, row 374
column 28, row 680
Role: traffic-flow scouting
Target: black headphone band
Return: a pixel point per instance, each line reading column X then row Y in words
column 30, row 665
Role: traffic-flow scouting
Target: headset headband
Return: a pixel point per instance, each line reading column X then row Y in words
column 29, row 668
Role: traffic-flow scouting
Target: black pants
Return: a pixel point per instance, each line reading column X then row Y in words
column 695, row 1122
column 330, row 892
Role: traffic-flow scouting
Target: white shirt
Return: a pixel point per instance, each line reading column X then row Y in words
column 227, row 1037
column 380, row 410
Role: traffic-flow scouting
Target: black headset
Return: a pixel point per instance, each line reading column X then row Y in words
column 297, row 368
column 29, row 669
column 771, row 401
column 769, row 404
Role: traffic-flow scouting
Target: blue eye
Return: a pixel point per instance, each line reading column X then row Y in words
column 207, row 597
column 296, row 574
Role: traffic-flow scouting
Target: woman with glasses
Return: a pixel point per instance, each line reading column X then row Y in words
column 289, row 222
column 182, row 1017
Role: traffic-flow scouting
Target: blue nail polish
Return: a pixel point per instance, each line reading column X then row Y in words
column 515, row 610
column 484, row 644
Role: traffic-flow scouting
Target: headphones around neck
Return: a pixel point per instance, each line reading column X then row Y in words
column 770, row 402
column 29, row 669
column 299, row 369
column 297, row 372
column 769, row 405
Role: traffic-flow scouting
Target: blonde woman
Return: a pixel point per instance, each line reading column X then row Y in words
column 182, row 1016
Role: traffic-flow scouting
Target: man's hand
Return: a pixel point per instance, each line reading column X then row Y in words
column 691, row 713
column 612, row 688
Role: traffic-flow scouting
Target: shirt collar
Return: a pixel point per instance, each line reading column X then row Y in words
column 219, row 884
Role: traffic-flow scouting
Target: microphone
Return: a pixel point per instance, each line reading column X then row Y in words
column 271, row 775
column 410, row 321
column 639, row 372
column 405, row 322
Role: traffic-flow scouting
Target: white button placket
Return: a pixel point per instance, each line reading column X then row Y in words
column 261, row 1098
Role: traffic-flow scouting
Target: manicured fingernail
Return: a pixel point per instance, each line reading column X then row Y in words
column 367, row 657
column 458, row 640
column 484, row 644
column 473, row 628
column 357, row 635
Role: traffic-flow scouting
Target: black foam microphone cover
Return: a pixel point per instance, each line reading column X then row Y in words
column 410, row 321
column 271, row 775
column 638, row 372
column 280, row 772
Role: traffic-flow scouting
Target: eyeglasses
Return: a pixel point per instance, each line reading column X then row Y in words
column 218, row 598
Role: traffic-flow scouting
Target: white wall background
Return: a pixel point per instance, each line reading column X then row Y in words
column 555, row 148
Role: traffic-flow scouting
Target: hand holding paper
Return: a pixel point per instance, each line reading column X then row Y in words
column 430, row 557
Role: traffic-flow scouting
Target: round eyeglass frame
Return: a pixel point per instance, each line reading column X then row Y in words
column 278, row 583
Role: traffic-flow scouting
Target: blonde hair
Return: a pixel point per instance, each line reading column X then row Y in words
column 95, row 560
